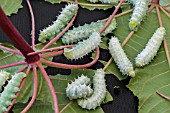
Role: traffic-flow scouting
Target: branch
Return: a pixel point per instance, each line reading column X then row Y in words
column 50, row 86
column 67, row 66
column 34, row 93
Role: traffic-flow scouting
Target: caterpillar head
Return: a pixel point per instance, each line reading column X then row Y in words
column 131, row 72
column 133, row 25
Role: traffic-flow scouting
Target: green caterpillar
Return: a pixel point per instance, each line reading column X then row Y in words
column 79, row 88
column 66, row 14
column 4, row 76
column 84, row 47
column 99, row 92
column 9, row 91
column 83, row 32
column 151, row 48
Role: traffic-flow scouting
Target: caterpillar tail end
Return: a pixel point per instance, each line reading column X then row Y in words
column 133, row 25
column 68, row 54
column 131, row 72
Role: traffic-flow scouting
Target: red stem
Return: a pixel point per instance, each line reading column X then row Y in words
column 34, row 93
column 67, row 66
column 52, row 54
column 50, row 50
column 111, row 17
column 16, row 38
column 33, row 24
column 159, row 16
column 11, row 65
column 50, row 86
column 21, row 86
column 11, row 50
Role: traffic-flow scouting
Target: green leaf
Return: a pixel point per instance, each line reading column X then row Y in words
column 164, row 2
column 155, row 76
column 85, row 4
column 10, row 6
column 60, row 83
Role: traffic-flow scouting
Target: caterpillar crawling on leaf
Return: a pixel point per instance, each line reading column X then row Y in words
column 151, row 49
column 4, row 76
column 140, row 11
column 9, row 91
column 99, row 92
column 83, row 32
column 84, row 47
column 66, row 14
column 120, row 57
column 79, row 88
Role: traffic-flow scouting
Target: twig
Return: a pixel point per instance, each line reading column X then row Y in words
column 50, row 86
column 67, row 66
column 50, row 50
column 52, row 54
column 20, row 87
column 11, row 50
column 108, row 63
column 111, row 17
column 33, row 24
column 159, row 16
column 167, row 14
column 160, row 94
column 11, row 65
column 34, row 93
column 128, row 38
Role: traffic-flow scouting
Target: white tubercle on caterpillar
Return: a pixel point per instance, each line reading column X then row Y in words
column 151, row 49
column 99, row 92
column 84, row 47
column 10, row 90
column 140, row 11
column 4, row 76
column 120, row 57
column 79, row 88
column 62, row 20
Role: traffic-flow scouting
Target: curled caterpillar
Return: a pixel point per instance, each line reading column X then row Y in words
column 66, row 14
column 9, row 91
column 140, row 10
column 99, row 92
column 4, row 76
column 151, row 49
column 79, row 88
column 120, row 57
column 83, row 32
column 84, row 47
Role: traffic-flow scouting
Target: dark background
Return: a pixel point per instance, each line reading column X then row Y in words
column 45, row 13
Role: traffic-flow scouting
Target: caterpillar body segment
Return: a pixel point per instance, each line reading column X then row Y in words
column 151, row 49
column 120, row 58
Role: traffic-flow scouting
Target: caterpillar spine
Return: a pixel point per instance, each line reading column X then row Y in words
column 66, row 14
column 84, row 47
column 83, row 32
column 99, row 92
column 4, row 76
column 151, row 49
column 140, row 11
column 120, row 57
column 79, row 88
column 9, row 91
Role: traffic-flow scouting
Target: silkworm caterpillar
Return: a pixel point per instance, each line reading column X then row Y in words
column 84, row 47
column 83, row 32
column 151, row 49
column 99, row 92
column 140, row 10
column 120, row 57
column 66, row 14
column 9, row 91
column 79, row 88
column 4, row 76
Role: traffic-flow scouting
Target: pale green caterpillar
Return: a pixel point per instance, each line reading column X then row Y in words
column 151, row 49
column 99, row 92
column 84, row 47
column 120, row 57
column 9, row 91
column 83, row 32
column 79, row 88
column 4, row 76
column 140, row 11
column 66, row 14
